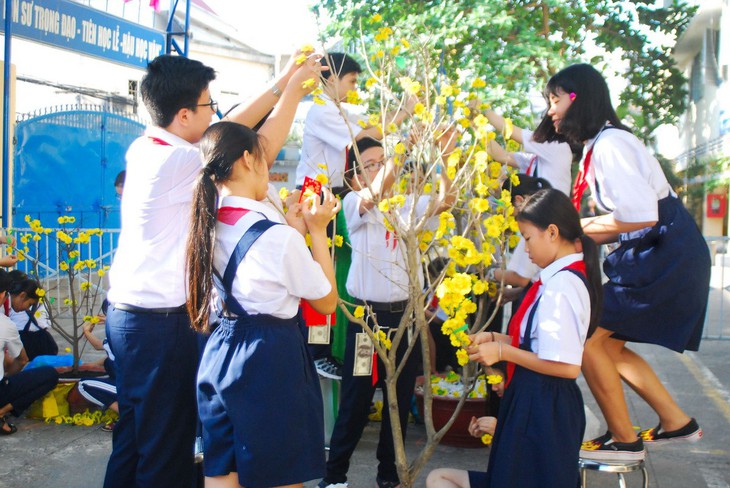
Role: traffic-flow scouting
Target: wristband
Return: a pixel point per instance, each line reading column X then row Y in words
column 276, row 91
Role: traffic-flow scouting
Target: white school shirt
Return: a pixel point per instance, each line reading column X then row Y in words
column 9, row 341
column 630, row 180
column 378, row 269
column 277, row 271
column 561, row 320
column 520, row 262
column 149, row 265
column 21, row 318
column 554, row 160
column 325, row 141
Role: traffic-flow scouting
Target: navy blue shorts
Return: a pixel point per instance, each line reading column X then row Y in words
column 260, row 403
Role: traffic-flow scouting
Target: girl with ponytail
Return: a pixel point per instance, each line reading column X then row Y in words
column 541, row 417
column 243, row 263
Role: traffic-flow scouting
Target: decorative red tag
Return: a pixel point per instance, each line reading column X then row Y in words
column 310, row 186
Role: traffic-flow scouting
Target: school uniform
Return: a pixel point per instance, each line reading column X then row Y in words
column 27, row 386
column 33, row 330
column 548, row 160
column 327, row 135
column 258, row 392
column 377, row 277
column 659, row 276
column 147, row 325
column 541, row 418
column 101, row 391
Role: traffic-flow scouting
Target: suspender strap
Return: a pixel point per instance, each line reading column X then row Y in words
column 244, row 244
column 31, row 318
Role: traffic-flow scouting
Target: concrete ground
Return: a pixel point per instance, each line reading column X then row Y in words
column 44, row 455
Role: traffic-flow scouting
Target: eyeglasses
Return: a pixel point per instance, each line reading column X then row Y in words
column 212, row 104
column 370, row 165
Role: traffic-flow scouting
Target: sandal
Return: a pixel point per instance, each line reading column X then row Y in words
column 10, row 430
column 108, row 427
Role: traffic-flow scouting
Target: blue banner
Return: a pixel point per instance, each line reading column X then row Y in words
column 75, row 27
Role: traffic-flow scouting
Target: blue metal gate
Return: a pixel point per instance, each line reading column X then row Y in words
column 66, row 160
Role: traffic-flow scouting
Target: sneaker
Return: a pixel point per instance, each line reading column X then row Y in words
column 381, row 483
column 690, row 433
column 328, row 368
column 324, row 484
column 604, row 448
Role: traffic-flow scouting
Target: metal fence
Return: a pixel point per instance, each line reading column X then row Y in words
column 716, row 322
column 45, row 252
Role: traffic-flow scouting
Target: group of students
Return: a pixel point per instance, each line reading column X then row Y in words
column 206, row 243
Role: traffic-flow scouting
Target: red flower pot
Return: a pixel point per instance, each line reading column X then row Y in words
column 443, row 407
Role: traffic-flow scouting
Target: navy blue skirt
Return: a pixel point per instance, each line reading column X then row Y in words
column 539, row 432
column 659, row 283
column 260, row 403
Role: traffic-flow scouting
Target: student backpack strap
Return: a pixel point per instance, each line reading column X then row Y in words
column 244, row 244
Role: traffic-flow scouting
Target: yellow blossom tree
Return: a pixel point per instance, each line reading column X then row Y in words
column 65, row 249
column 473, row 234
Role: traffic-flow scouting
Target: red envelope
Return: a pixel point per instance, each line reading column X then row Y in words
column 312, row 185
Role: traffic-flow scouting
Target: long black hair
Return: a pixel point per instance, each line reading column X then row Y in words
column 551, row 206
column 221, row 146
column 20, row 282
column 591, row 108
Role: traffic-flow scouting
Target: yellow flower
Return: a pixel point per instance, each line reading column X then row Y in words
column 301, row 59
column 405, row 43
column 101, row 273
column 353, row 97
column 62, row 220
column 478, row 83
column 306, row 49
column 383, row 34
column 400, row 148
column 68, row 349
column 376, row 18
column 318, row 100
column 446, row 90
column 462, row 357
column 63, row 265
column 308, row 240
column 40, row 292
column 487, row 439
column 63, row 237
column 427, row 188
column 36, row 237
column 380, row 54
column 409, row 86
column 508, row 128
column 322, row 178
column 384, row 206
column 85, row 285
column 339, row 240
column 90, row 263
column 25, row 239
column 27, row 218
column 359, row 312
column 383, row 339
column 419, row 109
column 283, row 193
column 494, row 379
column 308, row 83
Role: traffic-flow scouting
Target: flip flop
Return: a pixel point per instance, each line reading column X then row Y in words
column 4, row 422
column 108, row 427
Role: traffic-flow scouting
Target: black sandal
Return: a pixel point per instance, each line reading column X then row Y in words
column 4, row 422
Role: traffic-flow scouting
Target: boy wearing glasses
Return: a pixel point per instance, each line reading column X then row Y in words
column 147, row 326
column 377, row 278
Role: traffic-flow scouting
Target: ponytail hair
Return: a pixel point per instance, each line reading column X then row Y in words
column 221, row 146
column 550, row 206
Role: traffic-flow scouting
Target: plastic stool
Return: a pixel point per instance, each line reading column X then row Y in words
column 619, row 468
